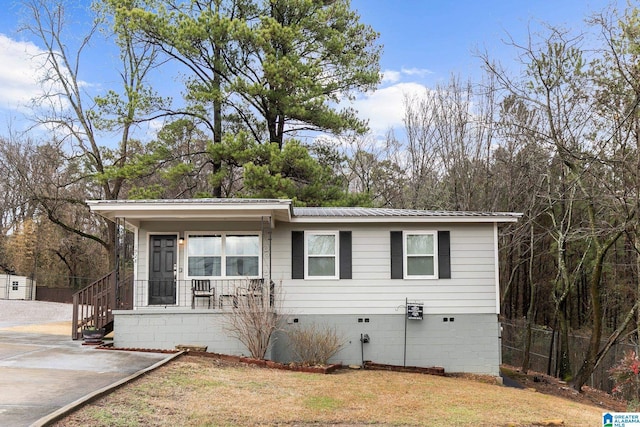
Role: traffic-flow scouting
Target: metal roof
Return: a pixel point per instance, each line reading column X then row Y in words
column 385, row 212
column 225, row 201
column 135, row 211
column 279, row 210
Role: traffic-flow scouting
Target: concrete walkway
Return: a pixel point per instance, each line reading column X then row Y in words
column 42, row 374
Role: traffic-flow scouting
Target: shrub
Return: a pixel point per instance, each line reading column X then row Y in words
column 254, row 320
column 626, row 376
column 314, row 344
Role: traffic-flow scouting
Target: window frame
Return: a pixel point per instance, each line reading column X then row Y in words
column 336, row 255
column 406, row 256
column 223, row 253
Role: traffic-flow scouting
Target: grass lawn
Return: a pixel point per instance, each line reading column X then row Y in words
column 200, row 391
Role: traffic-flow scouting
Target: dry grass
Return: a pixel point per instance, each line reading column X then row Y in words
column 194, row 391
column 53, row 328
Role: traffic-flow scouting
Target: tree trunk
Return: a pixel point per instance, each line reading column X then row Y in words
column 589, row 363
column 564, row 360
column 531, row 309
column 217, row 116
column 527, row 342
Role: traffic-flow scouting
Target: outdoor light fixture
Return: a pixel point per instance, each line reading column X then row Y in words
column 181, row 240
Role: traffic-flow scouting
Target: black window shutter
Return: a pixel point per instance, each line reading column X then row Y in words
column 396, row 255
column 444, row 255
column 297, row 254
column 345, row 255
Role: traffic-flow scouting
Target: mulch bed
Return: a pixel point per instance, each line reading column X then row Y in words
column 326, row 369
column 435, row 370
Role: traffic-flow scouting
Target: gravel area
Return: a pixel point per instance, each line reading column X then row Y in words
column 19, row 312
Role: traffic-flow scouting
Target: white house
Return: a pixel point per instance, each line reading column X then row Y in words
column 17, row 287
column 421, row 285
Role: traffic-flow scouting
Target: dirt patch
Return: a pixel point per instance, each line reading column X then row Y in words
column 53, row 328
column 38, row 317
column 546, row 384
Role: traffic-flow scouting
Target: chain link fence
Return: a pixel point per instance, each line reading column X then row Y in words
column 545, row 345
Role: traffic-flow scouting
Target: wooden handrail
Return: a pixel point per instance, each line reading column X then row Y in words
column 93, row 305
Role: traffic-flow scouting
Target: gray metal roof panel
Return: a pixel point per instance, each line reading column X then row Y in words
column 386, row 212
column 304, row 214
column 192, row 201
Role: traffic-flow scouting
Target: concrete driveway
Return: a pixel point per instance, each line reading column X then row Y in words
column 43, row 374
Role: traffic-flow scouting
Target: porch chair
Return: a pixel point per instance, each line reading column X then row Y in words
column 201, row 288
column 253, row 289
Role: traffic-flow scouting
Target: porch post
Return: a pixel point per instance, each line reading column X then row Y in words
column 265, row 224
column 118, row 249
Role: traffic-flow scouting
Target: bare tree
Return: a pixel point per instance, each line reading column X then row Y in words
column 617, row 82
column 255, row 318
column 422, row 161
column 448, row 150
column 372, row 169
column 85, row 124
column 557, row 87
column 38, row 248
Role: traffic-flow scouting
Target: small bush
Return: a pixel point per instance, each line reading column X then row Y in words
column 314, row 344
column 253, row 321
column 626, row 376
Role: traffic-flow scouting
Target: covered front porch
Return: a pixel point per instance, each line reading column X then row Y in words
column 209, row 294
column 199, row 255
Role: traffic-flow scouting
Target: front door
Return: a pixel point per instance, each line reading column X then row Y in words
column 163, row 257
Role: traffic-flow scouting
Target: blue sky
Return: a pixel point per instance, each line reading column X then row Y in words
column 425, row 42
column 441, row 35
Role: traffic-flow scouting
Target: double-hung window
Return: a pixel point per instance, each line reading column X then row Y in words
column 420, row 254
column 223, row 255
column 242, row 255
column 420, row 251
column 204, row 255
column 321, row 254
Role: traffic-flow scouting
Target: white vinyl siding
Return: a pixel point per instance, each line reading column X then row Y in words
column 471, row 288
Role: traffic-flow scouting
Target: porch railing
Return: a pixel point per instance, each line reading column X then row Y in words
column 93, row 306
column 177, row 293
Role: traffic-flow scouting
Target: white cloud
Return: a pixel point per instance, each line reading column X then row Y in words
column 20, row 72
column 416, row 72
column 390, row 76
column 394, row 76
column 384, row 108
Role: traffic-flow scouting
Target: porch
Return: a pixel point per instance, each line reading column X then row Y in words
column 209, row 257
column 97, row 304
column 209, row 294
